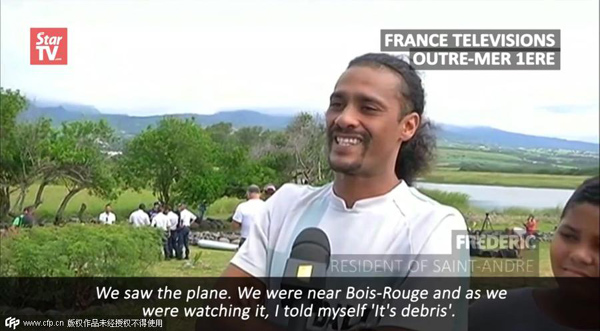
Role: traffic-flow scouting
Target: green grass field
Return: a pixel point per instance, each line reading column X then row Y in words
column 450, row 157
column 53, row 195
column 127, row 202
column 452, row 176
column 211, row 263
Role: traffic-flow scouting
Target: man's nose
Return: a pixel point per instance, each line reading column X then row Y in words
column 349, row 117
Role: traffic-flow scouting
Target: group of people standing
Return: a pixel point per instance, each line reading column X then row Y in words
column 174, row 223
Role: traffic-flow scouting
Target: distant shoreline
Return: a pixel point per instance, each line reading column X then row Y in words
column 443, row 176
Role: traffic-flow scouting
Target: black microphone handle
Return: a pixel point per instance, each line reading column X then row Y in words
column 298, row 323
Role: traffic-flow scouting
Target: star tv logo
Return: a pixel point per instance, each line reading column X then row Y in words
column 48, row 46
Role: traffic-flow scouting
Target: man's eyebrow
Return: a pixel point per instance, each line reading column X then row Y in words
column 361, row 97
column 368, row 98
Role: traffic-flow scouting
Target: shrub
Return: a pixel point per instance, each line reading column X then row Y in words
column 223, row 206
column 80, row 250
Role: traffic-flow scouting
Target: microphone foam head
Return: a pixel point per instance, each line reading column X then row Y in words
column 312, row 244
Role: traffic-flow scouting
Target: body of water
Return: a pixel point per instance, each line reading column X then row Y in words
column 499, row 197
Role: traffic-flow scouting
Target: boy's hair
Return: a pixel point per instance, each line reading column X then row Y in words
column 587, row 192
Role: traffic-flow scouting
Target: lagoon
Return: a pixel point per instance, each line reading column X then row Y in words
column 500, row 197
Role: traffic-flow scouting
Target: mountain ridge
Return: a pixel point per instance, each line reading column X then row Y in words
column 131, row 125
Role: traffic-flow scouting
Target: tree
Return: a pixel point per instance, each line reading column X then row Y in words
column 11, row 104
column 81, row 162
column 31, row 147
column 307, row 144
column 250, row 136
column 220, row 133
column 176, row 159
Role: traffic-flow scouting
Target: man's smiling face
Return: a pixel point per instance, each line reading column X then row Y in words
column 363, row 121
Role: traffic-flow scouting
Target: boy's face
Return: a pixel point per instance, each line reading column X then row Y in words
column 574, row 250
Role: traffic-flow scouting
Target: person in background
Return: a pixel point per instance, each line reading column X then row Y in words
column 26, row 219
column 162, row 222
column 155, row 210
column 531, row 226
column 574, row 256
column 248, row 212
column 173, row 233
column 269, row 191
column 107, row 217
column 139, row 217
column 186, row 218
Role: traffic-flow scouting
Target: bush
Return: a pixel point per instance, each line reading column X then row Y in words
column 80, row 250
column 223, row 206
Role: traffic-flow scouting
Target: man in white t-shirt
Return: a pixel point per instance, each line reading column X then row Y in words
column 249, row 212
column 378, row 143
column 139, row 217
column 162, row 222
column 107, row 217
column 186, row 218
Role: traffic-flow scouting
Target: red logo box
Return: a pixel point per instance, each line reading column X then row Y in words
column 48, row 46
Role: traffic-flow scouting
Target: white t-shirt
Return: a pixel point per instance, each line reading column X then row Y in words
column 161, row 221
column 402, row 223
column 139, row 218
column 107, row 218
column 249, row 212
column 173, row 220
column 187, row 217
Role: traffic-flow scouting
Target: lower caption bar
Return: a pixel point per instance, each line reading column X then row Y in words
column 56, row 323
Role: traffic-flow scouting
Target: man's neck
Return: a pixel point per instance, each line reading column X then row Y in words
column 354, row 188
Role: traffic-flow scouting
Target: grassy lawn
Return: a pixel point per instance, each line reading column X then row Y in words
column 451, row 157
column 452, row 176
column 211, row 263
column 127, row 202
column 496, row 267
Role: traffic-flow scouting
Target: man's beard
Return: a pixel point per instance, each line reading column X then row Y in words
column 346, row 168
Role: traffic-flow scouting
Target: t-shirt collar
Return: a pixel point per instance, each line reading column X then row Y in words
column 395, row 193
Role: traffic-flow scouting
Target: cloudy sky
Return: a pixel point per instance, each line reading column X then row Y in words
column 150, row 57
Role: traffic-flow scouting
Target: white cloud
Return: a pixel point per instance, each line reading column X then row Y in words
column 146, row 57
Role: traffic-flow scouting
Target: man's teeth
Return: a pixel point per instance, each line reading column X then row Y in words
column 347, row 141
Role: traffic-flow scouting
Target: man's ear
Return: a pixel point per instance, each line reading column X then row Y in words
column 409, row 125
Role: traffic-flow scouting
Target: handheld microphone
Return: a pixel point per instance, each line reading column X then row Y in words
column 306, row 268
